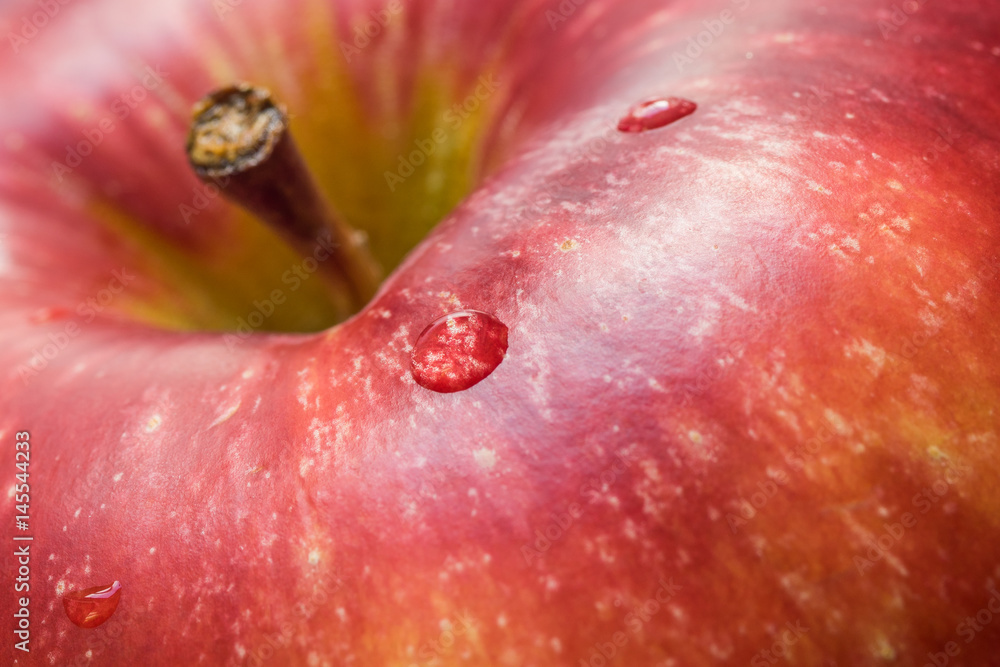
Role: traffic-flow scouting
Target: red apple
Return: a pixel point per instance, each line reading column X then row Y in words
column 748, row 409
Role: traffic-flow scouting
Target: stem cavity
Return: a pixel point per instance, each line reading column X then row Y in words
column 240, row 141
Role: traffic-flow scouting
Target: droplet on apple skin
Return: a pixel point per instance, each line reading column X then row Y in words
column 90, row 607
column 654, row 113
column 458, row 351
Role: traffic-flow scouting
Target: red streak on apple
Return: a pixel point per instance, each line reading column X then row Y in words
column 458, row 351
column 773, row 337
column 91, row 607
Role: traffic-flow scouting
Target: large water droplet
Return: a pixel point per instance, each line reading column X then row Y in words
column 458, row 350
column 92, row 606
column 655, row 113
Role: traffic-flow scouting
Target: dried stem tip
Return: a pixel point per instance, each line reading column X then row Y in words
column 234, row 130
column 240, row 141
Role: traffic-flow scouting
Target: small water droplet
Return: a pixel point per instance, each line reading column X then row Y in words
column 458, row 350
column 92, row 606
column 655, row 113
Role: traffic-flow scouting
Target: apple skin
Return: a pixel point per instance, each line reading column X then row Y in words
column 771, row 328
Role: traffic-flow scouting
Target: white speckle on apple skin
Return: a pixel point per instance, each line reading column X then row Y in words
column 704, row 325
column 486, row 458
column 900, row 223
column 226, row 414
column 5, row 263
column 305, row 465
column 865, row 348
column 306, row 385
column 851, row 243
column 153, row 423
column 838, row 423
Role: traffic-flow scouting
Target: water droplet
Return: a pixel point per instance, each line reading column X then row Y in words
column 458, row 350
column 655, row 113
column 92, row 606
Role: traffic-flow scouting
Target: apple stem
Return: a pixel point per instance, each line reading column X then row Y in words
column 240, row 141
